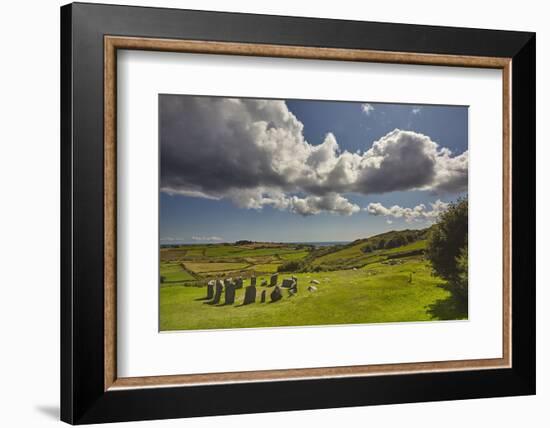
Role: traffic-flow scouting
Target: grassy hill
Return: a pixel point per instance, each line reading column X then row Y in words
column 364, row 251
column 383, row 278
column 373, row 294
column 204, row 262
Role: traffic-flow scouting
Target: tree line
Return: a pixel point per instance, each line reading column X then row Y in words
column 447, row 248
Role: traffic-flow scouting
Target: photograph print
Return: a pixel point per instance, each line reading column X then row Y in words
column 290, row 212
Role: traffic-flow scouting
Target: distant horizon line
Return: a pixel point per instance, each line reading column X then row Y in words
column 177, row 241
column 206, row 242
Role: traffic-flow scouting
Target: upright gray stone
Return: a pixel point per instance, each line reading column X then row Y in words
column 287, row 283
column 276, row 294
column 239, row 282
column 218, row 292
column 273, row 280
column 253, row 280
column 262, row 298
column 230, row 294
column 227, row 283
column 210, row 289
column 249, row 295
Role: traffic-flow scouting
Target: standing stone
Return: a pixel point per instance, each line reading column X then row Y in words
column 264, row 282
column 276, row 294
column 210, row 290
column 273, row 280
column 249, row 295
column 262, row 298
column 239, row 282
column 218, row 292
column 294, row 287
column 230, row 294
column 287, row 283
column 253, row 280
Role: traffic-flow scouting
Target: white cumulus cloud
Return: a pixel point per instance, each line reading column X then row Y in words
column 417, row 213
column 332, row 202
column 253, row 152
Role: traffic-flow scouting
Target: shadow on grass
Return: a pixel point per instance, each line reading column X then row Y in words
column 451, row 308
column 242, row 304
column 216, row 304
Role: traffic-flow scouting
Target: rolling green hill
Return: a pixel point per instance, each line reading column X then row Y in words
column 246, row 258
column 383, row 278
column 370, row 250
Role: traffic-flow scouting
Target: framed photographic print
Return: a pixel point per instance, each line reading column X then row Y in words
column 266, row 213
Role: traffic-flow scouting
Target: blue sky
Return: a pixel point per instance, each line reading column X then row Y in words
column 300, row 170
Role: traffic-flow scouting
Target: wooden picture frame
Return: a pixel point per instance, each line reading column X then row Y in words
column 91, row 390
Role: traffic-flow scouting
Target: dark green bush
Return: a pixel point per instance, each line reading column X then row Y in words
column 291, row 266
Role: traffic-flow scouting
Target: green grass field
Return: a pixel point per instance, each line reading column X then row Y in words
column 354, row 256
column 200, row 267
column 266, row 268
column 296, row 255
column 356, row 285
column 175, row 273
